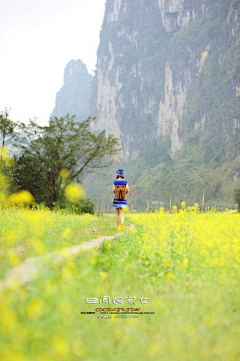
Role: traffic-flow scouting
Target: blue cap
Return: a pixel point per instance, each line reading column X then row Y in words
column 120, row 171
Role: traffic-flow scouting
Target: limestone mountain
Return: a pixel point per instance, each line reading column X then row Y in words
column 168, row 85
column 168, row 69
column 74, row 96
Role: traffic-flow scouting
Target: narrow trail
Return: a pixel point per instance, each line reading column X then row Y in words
column 29, row 269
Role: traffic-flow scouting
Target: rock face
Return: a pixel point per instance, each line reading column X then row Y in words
column 168, row 69
column 74, row 96
column 171, row 110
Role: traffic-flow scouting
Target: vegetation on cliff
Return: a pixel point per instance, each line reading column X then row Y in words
column 175, row 85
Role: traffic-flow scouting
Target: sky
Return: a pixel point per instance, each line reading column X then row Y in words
column 37, row 40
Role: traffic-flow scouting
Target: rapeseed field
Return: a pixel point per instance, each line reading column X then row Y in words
column 181, row 271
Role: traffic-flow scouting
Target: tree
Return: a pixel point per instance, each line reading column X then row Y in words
column 64, row 143
column 236, row 196
column 6, row 131
column 7, row 137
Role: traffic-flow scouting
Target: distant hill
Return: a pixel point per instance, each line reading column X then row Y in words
column 74, row 96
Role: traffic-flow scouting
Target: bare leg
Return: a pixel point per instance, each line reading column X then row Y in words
column 117, row 216
column 122, row 215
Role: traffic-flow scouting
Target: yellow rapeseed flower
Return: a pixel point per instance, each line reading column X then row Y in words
column 5, row 154
column 35, row 308
column 67, row 233
column 64, row 173
column 103, row 275
column 14, row 258
column 60, row 345
column 21, row 198
column 10, row 238
column 38, row 245
column 93, row 260
column 174, row 209
column 183, row 205
column 74, row 192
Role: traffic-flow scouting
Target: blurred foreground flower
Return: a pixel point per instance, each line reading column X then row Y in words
column 103, row 275
column 5, row 157
column 183, row 205
column 64, row 173
column 67, row 233
column 74, row 192
column 21, row 198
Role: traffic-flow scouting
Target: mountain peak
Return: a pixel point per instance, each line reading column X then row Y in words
column 74, row 96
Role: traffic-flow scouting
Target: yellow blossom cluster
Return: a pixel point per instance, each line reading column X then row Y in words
column 186, row 262
column 208, row 242
column 74, row 192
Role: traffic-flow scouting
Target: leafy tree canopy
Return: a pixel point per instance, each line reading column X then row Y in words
column 64, row 143
column 7, row 127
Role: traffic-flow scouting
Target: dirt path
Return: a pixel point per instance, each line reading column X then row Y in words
column 29, row 269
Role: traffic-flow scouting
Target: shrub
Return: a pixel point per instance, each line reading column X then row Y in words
column 236, row 196
column 85, row 205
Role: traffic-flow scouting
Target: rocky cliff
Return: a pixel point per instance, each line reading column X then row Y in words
column 167, row 84
column 169, row 70
column 74, row 96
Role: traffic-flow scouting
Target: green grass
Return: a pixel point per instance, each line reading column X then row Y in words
column 28, row 233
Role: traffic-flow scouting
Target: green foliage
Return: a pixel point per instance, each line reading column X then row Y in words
column 85, row 205
column 7, row 137
column 236, row 196
column 7, row 127
column 64, row 143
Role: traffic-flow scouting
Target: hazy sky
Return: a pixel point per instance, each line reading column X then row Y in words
column 37, row 39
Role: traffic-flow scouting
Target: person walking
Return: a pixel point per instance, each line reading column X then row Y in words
column 120, row 204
